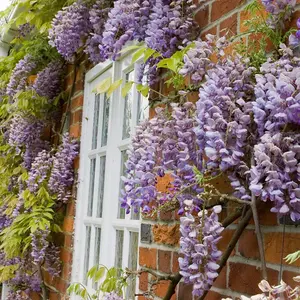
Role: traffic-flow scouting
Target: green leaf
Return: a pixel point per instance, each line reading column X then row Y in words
column 113, row 87
column 148, row 53
column 291, row 258
column 99, row 274
column 129, row 48
column 143, row 89
column 29, row 16
column 126, row 88
column 136, row 55
column 17, row 170
column 91, row 273
column 103, row 86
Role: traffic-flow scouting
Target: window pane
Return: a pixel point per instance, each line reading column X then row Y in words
column 124, row 157
column 143, row 108
column 87, row 252
column 135, row 215
column 105, row 121
column 101, row 186
column 132, row 263
column 119, row 248
column 91, row 187
column 96, row 121
column 97, row 246
column 127, row 109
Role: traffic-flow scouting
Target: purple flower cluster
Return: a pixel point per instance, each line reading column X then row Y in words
column 198, row 245
column 5, row 220
column 39, row 171
column 52, row 260
column 62, row 173
column 98, row 18
column 49, row 81
column 223, row 113
column 126, row 21
column 25, row 133
column 112, row 296
column 39, row 245
column 162, row 145
column 171, row 23
column 19, row 76
column 279, row 11
column 70, row 28
column 276, row 174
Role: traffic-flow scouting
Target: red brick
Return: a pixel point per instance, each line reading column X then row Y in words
column 212, row 31
column 66, row 271
column 164, row 261
column 54, row 296
column 202, row 16
column 75, row 130
column 226, row 237
column 34, row 296
column 79, row 85
column 66, row 255
column 273, row 246
column 229, row 26
column 175, row 263
column 71, row 209
column 147, row 257
column 245, row 278
column 222, row 7
column 161, row 289
column 166, row 215
column 167, row 235
column 288, row 276
column 68, row 241
column 68, row 224
column 143, row 282
column 185, row 291
column 221, row 279
column 248, row 246
column 211, row 295
column 76, row 162
column 76, row 117
column 62, row 286
column 77, row 102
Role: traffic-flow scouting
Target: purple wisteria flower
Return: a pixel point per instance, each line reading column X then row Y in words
column 62, row 173
column 198, row 245
column 112, row 296
column 19, row 76
column 70, row 29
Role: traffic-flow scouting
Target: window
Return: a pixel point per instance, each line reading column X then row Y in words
column 104, row 234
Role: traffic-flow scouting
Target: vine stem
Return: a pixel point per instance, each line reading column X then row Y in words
column 258, row 232
column 240, row 229
column 43, row 287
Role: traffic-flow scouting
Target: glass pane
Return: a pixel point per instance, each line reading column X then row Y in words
column 101, row 187
column 128, row 108
column 97, row 251
column 143, row 108
column 87, row 252
column 91, row 187
column 97, row 246
column 105, row 121
column 96, row 121
column 135, row 215
column 119, row 248
column 132, row 263
column 124, row 157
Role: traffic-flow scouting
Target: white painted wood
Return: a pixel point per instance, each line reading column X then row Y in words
column 109, row 222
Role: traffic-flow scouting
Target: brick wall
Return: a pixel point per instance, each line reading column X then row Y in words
column 159, row 243
column 72, row 118
column 160, row 234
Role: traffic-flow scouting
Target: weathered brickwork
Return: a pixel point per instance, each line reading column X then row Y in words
column 160, row 251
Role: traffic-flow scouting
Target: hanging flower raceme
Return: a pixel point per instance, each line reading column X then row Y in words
column 98, row 18
column 49, row 81
column 25, row 133
column 62, row 173
column 19, row 76
column 279, row 11
column 198, row 245
column 70, row 29
column 164, row 144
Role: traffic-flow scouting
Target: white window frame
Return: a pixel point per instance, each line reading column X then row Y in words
column 109, row 222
